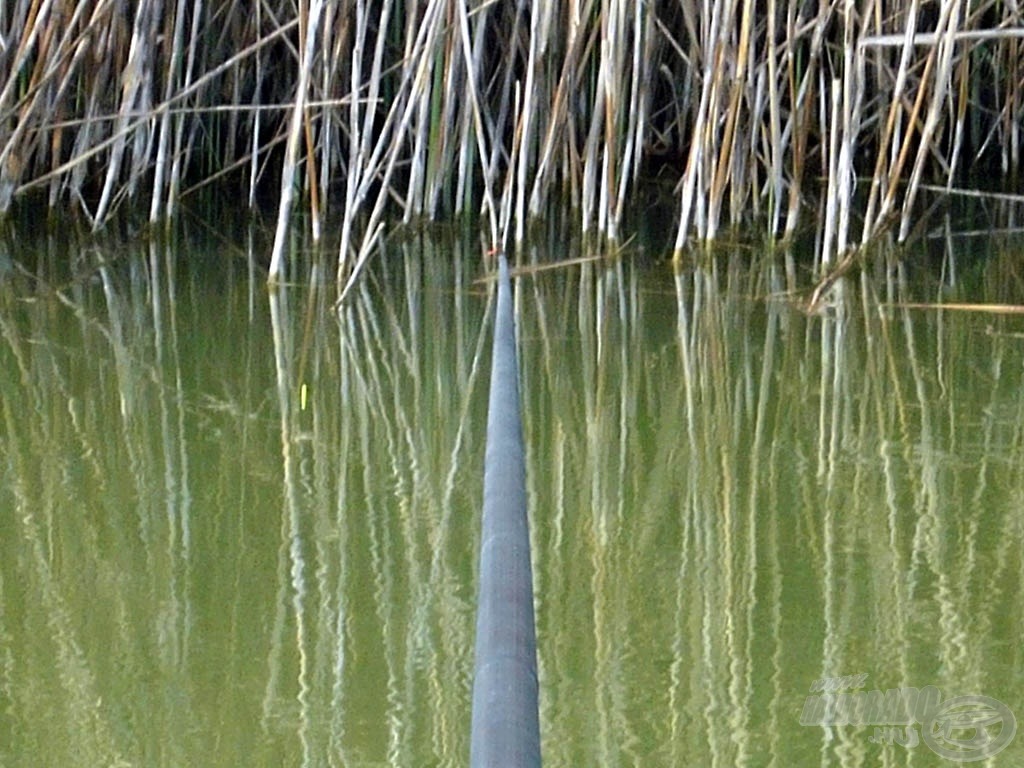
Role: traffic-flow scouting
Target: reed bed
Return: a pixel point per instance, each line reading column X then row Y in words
column 372, row 112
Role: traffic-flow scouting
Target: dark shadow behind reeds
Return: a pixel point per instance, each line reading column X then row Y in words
column 499, row 109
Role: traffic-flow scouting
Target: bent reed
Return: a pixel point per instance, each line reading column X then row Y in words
column 498, row 108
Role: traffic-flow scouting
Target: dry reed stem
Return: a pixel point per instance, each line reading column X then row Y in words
column 309, row 20
column 992, row 309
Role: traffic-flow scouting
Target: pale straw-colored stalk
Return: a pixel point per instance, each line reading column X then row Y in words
column 295, row 133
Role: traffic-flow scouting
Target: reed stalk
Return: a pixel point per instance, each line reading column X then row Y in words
column 299, row 128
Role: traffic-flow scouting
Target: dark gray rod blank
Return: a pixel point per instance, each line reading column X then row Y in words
column 505, row 729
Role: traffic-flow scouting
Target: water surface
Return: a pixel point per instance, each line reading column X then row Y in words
column 237, row 530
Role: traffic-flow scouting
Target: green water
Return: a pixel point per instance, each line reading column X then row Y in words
column 242, row 531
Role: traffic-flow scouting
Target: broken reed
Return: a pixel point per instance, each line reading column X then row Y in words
column 499, row 107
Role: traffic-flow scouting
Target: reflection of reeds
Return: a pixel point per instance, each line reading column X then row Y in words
column 442, row 108
column 772, row 510
column 729, row 499
column 86, row 509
